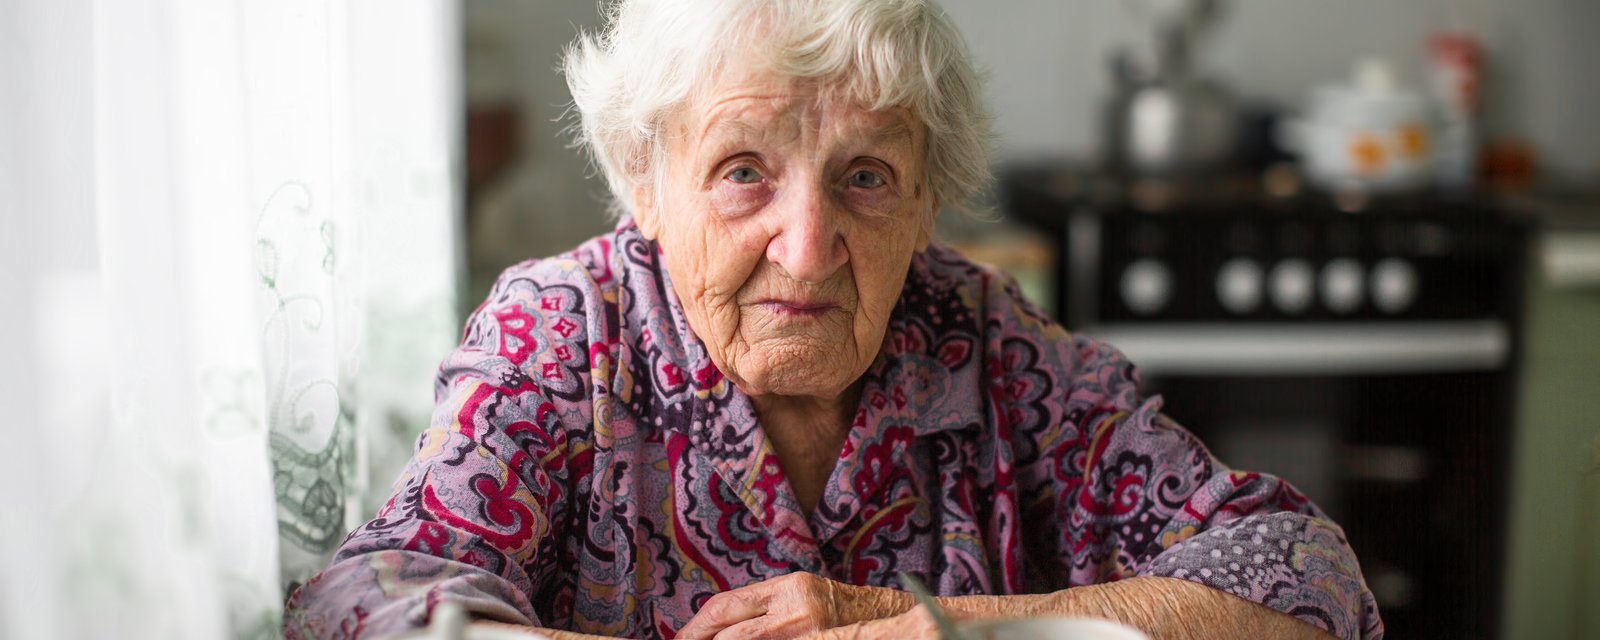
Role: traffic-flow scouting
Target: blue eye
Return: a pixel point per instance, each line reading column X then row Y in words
column 866, row 179
column 744, row 175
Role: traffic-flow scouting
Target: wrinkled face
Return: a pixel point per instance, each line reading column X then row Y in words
column 787, row 223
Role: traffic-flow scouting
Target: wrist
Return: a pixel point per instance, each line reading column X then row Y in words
column 865, row 604
column 962, row 608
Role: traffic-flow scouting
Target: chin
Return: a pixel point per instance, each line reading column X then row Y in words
column 794, row 377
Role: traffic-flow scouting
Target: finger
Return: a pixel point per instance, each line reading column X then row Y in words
column 758, row 627
column 777, row 623
column 722, row 611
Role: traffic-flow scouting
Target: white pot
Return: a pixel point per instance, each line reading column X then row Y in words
column 1371, row 136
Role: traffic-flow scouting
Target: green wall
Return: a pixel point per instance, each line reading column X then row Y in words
column 1557, row 448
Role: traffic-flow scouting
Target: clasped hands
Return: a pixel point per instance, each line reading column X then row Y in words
column 803, row 605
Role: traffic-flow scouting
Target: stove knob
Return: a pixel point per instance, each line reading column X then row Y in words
column 1341, row 285
column 1239, row 285
column 1146, row 286
column 1394, row 285
column 1292, row 284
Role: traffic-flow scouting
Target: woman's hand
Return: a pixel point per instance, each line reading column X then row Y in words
column 793, row 606
column 802, row 604
column 915, row 624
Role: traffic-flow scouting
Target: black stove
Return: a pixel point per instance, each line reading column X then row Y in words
column 1365, row 350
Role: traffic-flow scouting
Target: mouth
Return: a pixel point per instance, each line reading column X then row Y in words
column 796, row 308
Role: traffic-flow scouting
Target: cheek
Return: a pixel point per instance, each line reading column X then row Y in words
column 733, row 249
column 710, row 259
column 879, row 258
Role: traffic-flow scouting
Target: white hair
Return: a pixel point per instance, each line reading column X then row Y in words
column 652, row 55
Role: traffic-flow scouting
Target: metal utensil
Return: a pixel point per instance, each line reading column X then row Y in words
column 947, row 629
column 1165, row 118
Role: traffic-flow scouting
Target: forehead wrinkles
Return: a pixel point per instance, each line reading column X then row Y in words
column 779, row 117
column 804, row 117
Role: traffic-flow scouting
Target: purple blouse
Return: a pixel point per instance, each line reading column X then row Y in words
column 589, row 468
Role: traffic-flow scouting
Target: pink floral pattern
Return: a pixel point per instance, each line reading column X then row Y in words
column 588, row 468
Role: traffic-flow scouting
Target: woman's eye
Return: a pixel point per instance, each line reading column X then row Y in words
column 744, row 175
column 864, row 179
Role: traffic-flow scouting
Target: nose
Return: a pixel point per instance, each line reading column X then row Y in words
column 809, row 244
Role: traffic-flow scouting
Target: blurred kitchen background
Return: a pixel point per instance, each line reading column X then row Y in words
column 1355, row 243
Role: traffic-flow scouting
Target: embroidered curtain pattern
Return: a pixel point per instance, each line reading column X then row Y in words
column 229, row 258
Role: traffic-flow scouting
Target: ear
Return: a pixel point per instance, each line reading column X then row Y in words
column 644, row 211
column 925, row 230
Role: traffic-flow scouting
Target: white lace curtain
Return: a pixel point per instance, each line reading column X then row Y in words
column 227, row 273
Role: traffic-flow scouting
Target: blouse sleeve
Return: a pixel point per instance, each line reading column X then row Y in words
column 469, row 520
column 1134, row 494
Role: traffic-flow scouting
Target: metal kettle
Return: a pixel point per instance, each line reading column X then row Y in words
column 1164, row 120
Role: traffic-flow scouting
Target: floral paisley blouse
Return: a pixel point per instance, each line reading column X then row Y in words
column 588, row 468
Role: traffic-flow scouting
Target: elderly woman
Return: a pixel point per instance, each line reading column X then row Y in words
column 768, row 391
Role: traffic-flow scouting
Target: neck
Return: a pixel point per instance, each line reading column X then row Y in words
column 808, row 433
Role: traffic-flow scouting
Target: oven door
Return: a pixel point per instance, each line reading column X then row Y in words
column 1400, row 431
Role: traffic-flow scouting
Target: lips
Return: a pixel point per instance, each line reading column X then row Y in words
column 797, row 308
